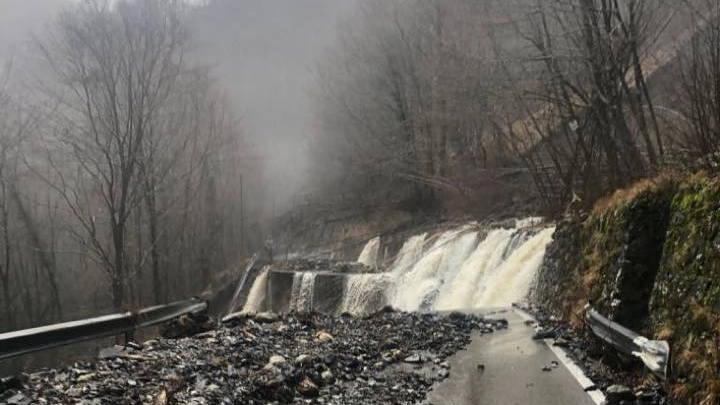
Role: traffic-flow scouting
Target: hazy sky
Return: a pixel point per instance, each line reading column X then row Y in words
column 263, row 52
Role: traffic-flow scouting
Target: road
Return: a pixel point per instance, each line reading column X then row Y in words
column 512, row 372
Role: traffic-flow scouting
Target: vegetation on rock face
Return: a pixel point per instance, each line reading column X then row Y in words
column 649, row 257
column 616, row 250
column 686, row 298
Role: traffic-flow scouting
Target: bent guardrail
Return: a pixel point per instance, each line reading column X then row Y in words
column 18, row 343
column 655, row 354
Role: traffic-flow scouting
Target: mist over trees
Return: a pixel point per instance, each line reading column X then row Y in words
column 127, row 178
column 468, row 105
column 121, row 168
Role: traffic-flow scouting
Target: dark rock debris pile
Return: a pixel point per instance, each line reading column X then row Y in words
column 389, row 357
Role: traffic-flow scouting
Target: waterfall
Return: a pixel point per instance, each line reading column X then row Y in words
column 511, row 282
column 364, row 293
column 459, row 291
column 414, row 288
column 369, row 254
column 235, row 301
column 303, row 289
column 457, row 269
column 409, row 253
column 258, row 292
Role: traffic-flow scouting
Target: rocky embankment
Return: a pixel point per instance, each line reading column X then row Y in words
column 390, row 357
column 647, row 257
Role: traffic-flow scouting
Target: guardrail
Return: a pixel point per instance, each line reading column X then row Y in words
column 655, row 354
column 18, row 343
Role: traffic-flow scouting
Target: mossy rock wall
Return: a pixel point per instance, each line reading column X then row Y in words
column 611, row 259
column 649, row 257
column 690, row 270
column 685, row 303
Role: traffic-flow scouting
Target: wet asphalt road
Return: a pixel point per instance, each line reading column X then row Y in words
column 505, row 368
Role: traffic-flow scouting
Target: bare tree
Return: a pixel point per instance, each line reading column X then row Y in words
column 117, row 68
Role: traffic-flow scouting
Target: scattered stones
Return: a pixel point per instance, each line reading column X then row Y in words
column 308, row 388
column 328, row 377
column 19, row 399
column 617, row 393
column 323, row 336
column 549, row 333
column 267, row 358
column 603, row 366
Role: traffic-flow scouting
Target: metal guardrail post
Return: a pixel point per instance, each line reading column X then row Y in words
column 17, row 343
column 655, row 354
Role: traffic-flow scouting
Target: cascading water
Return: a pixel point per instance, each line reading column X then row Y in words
column 457, row 272
column 416, row 287
column 303, row 289
column 463, row 268
column 369, row 254
column 235, row 301
column 511, row 282
column 258, row 292
column 364, row 292
column 459, row 291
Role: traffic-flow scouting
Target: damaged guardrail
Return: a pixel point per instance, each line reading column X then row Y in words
column 655, row 354
column 18, row 343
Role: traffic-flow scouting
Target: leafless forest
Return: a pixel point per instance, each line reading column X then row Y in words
column 127, row 178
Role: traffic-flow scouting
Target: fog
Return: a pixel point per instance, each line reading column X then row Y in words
column 263, row 54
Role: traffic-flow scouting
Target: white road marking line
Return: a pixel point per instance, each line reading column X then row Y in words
column 596, row 395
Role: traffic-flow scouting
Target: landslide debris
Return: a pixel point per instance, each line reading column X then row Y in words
column 389, row 357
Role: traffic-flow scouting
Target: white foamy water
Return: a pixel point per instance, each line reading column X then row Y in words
column 258, row 292
column 369, row 254
column 364, row 292
column 459, row 291
column 303, row 289
column 235, row 301
column 511, row 282
column 458, row 269
column 416, row 287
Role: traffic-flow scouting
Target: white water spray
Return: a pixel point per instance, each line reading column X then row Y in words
column 364, row 293
column 303, row 289
column 369, row 254
column 415, row 288
column 258, row 292
column 459, row 291
column 511, row 282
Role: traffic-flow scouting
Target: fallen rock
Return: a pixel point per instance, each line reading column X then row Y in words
column 328, row 377
column 617, row 393
column 307, row 388
column 323, row 336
